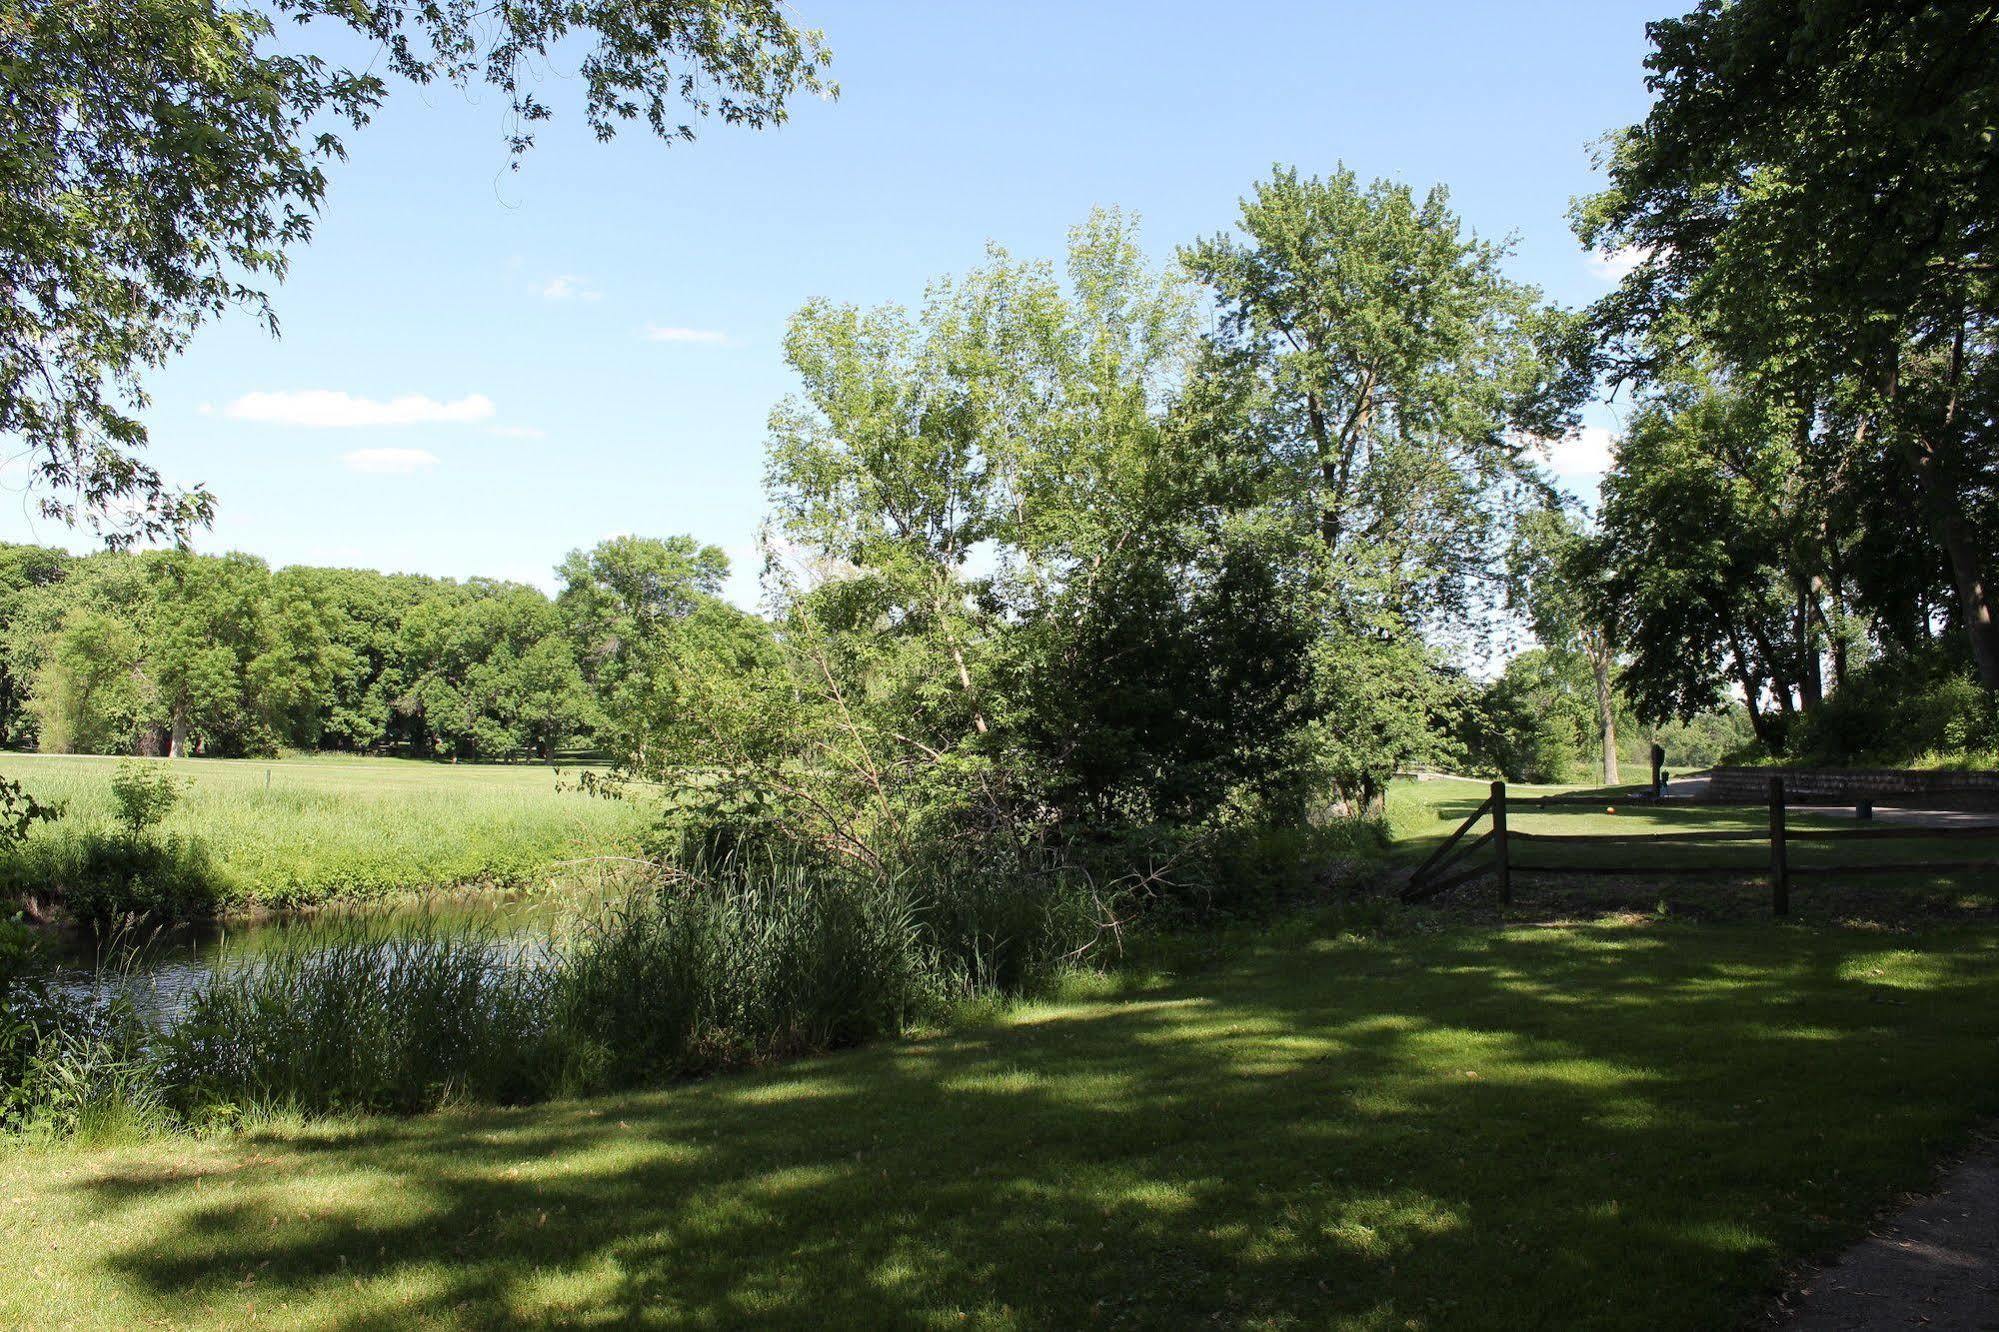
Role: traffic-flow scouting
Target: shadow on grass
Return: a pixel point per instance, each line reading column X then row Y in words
column 1592, row 1127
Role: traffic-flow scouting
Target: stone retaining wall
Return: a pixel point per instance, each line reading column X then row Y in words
column 1844, row 786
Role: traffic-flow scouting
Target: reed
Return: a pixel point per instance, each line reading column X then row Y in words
column 729, row 966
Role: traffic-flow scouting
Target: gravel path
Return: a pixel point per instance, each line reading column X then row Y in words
column 1936, row 1265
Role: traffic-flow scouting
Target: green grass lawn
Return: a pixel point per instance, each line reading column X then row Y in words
column 1635, row 1125
column 289, row 831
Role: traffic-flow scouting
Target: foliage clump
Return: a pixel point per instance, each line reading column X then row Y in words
column 144, row 794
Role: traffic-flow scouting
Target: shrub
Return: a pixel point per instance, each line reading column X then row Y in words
column 1006, row 932
column 99, row 877
column 1898, row 711
column 144, row 794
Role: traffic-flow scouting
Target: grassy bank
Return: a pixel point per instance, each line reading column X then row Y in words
column 287, row 832
column 1613, row 1126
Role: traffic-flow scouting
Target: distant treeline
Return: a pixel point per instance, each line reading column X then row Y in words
column 163, row 652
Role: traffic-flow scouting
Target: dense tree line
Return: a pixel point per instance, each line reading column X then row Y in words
column 175, row 653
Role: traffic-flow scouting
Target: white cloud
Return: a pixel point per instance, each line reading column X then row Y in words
column 518, row 432
column 333, row 409
column 389, row 462
column 1616, row 265
column 1587, row 452
column 570, row 287
column 658, row 333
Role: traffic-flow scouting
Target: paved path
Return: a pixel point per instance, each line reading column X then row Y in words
column 1936, row 1265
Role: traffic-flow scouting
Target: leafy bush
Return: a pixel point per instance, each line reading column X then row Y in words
column 144, row 793
column 1915, row 709
column 1005, row 932
column 99, row 876
column 19, row 812
column 1535, row 723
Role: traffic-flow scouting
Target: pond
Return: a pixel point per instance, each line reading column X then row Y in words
column 158, row 967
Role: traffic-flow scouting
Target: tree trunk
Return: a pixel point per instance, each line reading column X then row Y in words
column 1329, row 474
column 1781, row 687
column 1606, row 715
column 1761, row 725
column 1751, row 687
column 177, row 743
column 1835, row 635
column 1811, row 684
column 1974, row 594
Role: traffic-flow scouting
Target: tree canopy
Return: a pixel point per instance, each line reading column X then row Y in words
column 1812, row 198
column 163, row 157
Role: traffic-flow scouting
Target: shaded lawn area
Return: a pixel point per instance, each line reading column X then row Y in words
column 1422, row 814
column 1614, row 1126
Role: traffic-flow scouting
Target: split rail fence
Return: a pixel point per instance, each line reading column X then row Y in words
column 1497, row 853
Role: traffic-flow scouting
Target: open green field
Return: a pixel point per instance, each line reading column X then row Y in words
column 1637, row 1125
column 301, row 830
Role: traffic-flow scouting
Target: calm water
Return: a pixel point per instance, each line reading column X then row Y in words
column 159, row 967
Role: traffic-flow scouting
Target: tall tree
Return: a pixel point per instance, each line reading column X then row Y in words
column 1814, row 193
column 202, row 627
column 1701, row 566
column 22, row 568
column 1407, row 372
column 1024, row 596
column 163, row 157
column 1552, row 569
column 621, row 607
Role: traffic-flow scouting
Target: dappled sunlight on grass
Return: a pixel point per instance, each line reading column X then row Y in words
column 1609, row 1126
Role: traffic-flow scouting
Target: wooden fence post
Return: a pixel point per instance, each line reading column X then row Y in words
column 1780, row 867
column 1504, row 867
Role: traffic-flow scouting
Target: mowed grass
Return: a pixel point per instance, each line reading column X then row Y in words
column 1635, row 1126
column 1422, row 814
column 304, row 830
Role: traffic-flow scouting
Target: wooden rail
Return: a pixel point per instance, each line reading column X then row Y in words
column 1433, row 876
column 1451, row 865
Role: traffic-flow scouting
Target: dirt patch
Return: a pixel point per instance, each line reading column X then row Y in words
column 1935, row 1264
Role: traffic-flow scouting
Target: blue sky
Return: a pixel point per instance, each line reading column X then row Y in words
column 482, row 369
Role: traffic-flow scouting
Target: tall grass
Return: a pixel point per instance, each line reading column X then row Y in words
column 362, row 1017
column 736, row 966
column 292, row 832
